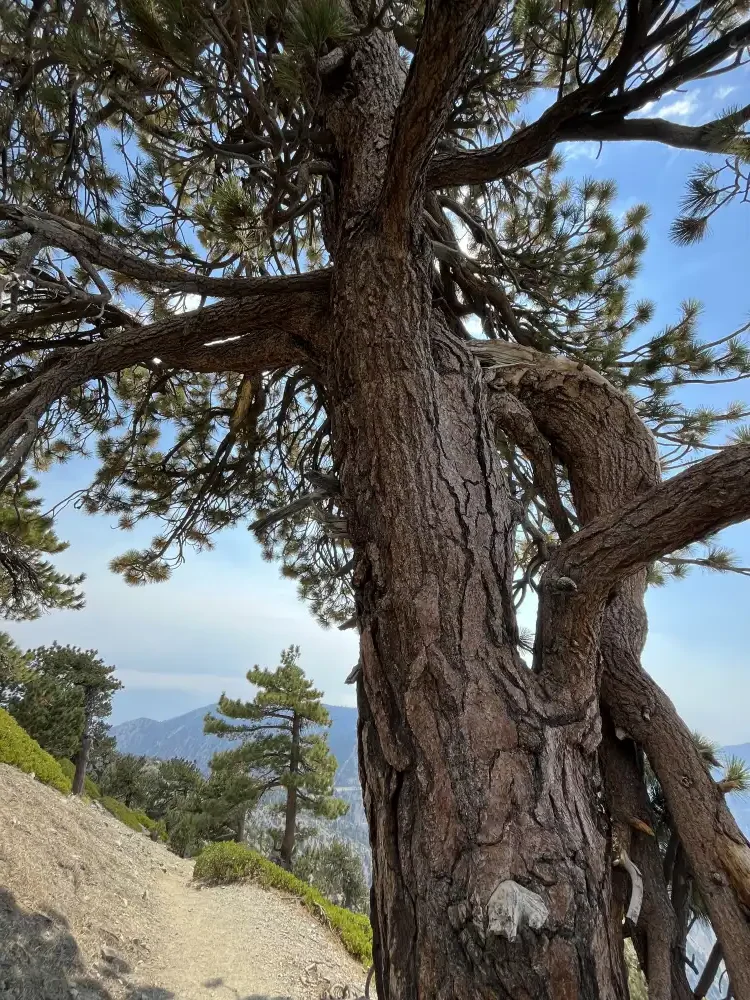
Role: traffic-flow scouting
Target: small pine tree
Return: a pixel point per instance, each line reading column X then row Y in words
column 280, row 748
column 65, row 699
column 335, row 869
column 123, row 779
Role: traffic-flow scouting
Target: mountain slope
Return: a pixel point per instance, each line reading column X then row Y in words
column 90, row 910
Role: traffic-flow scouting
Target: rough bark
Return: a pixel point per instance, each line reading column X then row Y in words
column 656, row 934
column 82, row 758
column 290, row 813
column 491, row 859
column 611, row 461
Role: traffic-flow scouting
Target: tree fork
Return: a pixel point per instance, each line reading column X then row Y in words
column 610, row 456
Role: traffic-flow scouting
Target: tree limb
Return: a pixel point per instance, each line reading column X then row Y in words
column 708, row 138
column 79, row 239
column 518, row 422
column 451, row 32
column 248, row 335
column 702, row 500
column 610, row 457
column 575, row 112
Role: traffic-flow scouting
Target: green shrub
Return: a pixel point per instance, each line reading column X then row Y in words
column 68, row 768
column 120, row 811
column 19, row 750
column 152, row 825
column 229, row 862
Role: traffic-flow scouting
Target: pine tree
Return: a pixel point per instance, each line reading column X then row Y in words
column 65, row 699
column 313, row 266
column 282, row 746
column 14, row 671
column 336, row 870
column 29, row 583
column 124, row 779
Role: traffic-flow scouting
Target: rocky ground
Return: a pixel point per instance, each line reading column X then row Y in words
column 90, row 910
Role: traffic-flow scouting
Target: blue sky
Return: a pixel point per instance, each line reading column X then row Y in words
column 178, row 645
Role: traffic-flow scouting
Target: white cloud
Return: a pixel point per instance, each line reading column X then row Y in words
column 184, row 302
column 684, row 107
column 581, row 151
column 673, row 107
column 721, row 93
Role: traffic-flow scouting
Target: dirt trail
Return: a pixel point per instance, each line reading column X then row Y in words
column 243, row 943
column 92, row 911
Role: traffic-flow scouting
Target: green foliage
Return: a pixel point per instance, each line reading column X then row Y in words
column 90, row 787
column 280, row 748
column 336, row 870
column 232, row 862
column 14, row 671
column 29, row 583
column 66, row 691
column 19, row 750
column 124, row 779
column 134, row 819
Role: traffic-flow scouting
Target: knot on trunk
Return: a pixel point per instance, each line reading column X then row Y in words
column 512, row 907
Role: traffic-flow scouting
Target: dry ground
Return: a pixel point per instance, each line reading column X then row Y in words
column 90, row 910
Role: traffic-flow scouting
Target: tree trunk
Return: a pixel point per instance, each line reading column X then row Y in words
column 240, row 835
column 491, row 858
column 491, row 853
column 708, row 975
column 82, row 758
column 290, row 819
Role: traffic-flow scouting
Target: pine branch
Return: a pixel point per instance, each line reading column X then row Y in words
column 707, row 497
column 83, row 240
column 451, row 32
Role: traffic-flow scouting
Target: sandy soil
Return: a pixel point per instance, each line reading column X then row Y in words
column 90, row 910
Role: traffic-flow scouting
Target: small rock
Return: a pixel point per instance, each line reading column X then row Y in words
column 144, row 895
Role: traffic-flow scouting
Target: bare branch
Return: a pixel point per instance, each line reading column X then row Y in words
column 575, row 113
column 518, row 422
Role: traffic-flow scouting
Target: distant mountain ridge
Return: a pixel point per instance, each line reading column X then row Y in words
column 183, row 736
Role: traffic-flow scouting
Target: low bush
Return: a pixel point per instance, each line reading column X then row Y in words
column 153, row 826
column 230, row 862
column 120, row 811
column 19, row 750
column 90, row 787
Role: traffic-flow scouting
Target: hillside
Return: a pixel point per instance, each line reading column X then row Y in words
column 90, row 910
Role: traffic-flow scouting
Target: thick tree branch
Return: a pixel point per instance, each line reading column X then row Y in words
column 451, row 32
column 80, row 239
column 703, row 499
column 517, row 421
column 708, row 138
column 248, row 335
column 610, row 457
column 576, row 112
